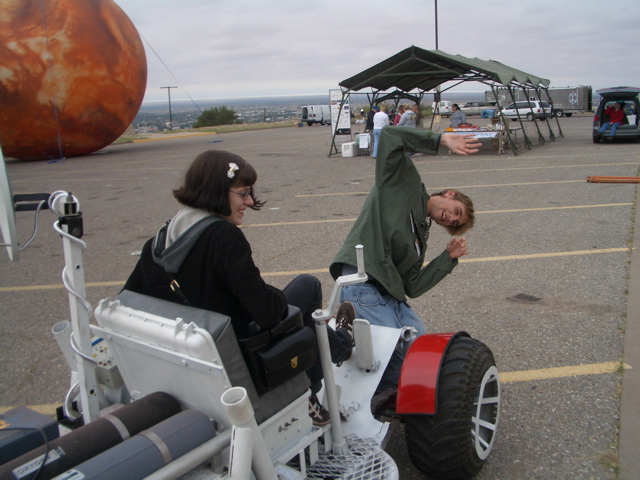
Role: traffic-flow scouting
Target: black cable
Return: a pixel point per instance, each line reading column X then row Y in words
column 46, row 444
column 174, row 77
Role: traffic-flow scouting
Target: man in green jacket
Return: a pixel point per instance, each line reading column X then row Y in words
column 393, row 226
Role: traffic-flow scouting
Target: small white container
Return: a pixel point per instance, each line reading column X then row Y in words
column 350, row 150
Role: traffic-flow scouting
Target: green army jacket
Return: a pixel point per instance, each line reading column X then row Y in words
column 392, row 225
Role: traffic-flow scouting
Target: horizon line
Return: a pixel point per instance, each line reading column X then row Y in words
column 283, row 95
column 243, row 97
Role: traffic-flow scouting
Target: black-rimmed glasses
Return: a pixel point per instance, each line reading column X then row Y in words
column 244, row 195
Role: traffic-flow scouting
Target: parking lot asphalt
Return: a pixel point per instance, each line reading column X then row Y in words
column 550, row 284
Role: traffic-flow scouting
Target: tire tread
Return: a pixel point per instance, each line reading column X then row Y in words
column 440, row 445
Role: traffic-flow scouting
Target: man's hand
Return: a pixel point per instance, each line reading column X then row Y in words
column 460, row 144
column 457, row 247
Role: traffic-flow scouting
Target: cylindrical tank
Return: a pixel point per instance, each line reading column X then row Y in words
column 148, row 451
column 89, row 440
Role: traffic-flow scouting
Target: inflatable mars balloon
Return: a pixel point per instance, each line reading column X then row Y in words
column 72, row 76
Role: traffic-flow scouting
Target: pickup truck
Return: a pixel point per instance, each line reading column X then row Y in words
column 473, row 108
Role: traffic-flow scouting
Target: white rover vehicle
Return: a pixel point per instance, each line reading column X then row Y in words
column 168, row 393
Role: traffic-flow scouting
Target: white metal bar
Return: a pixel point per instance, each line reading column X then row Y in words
column 73, row 274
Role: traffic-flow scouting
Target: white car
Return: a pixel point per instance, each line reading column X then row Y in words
column 528, row 110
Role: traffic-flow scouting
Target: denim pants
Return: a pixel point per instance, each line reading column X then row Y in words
column 376, row 139
column 305, row 292
column 614, row 128
column 385, row 310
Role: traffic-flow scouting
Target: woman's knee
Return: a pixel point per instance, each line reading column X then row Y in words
column 305, row 292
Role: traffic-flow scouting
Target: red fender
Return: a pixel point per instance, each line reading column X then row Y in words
column 418, row 385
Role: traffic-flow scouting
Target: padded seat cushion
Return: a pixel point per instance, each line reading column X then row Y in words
column 223, row 335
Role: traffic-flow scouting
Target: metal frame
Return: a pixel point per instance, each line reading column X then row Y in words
column 412, row 68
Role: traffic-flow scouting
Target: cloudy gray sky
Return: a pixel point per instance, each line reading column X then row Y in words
column 230, row 48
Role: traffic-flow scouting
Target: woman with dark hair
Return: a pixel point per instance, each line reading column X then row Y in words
column 212, row 263
column 458, row 116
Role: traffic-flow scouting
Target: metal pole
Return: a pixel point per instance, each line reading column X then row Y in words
column 248, row 450
column 436, row 24
column 70, row 227
column 339, row 443
column 170, row 118
column 436, row 97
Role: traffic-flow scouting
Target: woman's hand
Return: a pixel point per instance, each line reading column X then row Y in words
column 457, row 247
column 460, row 144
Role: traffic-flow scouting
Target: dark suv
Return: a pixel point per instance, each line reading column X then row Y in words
column 628, row 99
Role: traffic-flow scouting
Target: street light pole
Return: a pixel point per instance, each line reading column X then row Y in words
column 170, row 118
column 437, row 95
column 436, row 24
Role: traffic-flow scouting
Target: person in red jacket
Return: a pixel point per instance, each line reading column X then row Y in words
column 616, row 117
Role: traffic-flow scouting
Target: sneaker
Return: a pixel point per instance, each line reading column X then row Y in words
column 319, row 415
column 345, row 317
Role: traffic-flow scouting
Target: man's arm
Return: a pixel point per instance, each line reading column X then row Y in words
column 429, row 276
column 394, row 143
column 424, row 279
column 392, row 164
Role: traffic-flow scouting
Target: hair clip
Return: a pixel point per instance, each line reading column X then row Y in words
column 233, row 168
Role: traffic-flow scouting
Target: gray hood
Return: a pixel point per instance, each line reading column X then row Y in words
column 175, row 239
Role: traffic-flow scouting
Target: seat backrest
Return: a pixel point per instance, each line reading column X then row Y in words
column 185, row 351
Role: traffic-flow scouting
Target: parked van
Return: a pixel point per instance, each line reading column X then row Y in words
column 442, row 108
column 315, row 114
column 629, row 100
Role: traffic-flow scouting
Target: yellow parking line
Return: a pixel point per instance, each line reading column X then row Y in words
column 538, row 209
column 45, row 409
column 55, row 287
column 435, row 189
column 530, row 168
column 545, row 255
column 472, row 158
column 561, row 372
column 557, row 208
column 72, row 180
column 303, row 222
column 505, row 377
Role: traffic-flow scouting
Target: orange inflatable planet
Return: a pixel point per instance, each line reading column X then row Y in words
column 72, row 76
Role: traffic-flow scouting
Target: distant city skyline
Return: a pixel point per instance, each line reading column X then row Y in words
column 302, row 99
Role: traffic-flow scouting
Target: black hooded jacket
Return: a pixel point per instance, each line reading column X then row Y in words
column 213, row 264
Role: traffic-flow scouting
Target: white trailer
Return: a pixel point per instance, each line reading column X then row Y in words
column 564, row 100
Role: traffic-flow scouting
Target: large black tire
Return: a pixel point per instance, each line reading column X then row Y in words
column 530, row 117
column 453, row 444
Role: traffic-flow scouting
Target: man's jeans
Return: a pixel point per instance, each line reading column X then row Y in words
column 614, row 127
column 383, row 310
column 376, row 139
